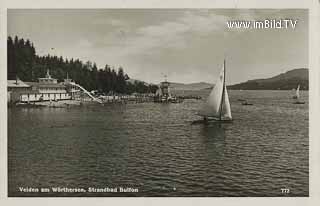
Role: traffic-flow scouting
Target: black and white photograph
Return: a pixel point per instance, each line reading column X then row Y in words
column 157, row 102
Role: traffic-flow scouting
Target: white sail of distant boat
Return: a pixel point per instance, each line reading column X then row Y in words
column 159, row 92
column 297, row 95
column 169, row 93
column 298, row 92
column 217, row 105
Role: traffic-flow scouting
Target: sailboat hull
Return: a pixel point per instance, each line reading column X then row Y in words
column 212, row 121
column 215, row 119
column 298, row 102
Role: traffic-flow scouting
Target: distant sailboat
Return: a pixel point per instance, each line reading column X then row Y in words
column 217, row 106
column 297, row 95
column 169, row 93
column 159, row 92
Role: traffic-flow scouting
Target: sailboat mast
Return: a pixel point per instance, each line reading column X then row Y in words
column 223, row 87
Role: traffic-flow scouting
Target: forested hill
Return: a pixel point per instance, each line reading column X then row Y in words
column 24, row 63
column 285, row 81
column 191, row 86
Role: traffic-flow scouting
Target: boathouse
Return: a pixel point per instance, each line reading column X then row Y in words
column 46, row 89
column 15, row 88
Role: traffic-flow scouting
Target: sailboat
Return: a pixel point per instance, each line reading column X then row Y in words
column 297, row 96
column 159, row 92
column 158, row 95
column 217, row 106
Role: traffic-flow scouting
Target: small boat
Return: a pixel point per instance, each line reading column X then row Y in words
column 174, row 99
column 297, row 96
column 241, row 100
column 246, row 103
column 217, row 107
column 298, row 102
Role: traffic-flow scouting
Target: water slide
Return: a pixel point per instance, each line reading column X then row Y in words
column 85, row 91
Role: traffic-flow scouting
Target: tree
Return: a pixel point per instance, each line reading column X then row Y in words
column 11, row 74
column 28, row 66
column 121, row 82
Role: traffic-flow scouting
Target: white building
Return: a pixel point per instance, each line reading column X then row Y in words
column 46, row 89
column 15, row 88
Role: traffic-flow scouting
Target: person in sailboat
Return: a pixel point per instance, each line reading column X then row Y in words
column 217, row 107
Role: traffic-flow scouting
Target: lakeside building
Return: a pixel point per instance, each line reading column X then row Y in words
column 15, row 88
column 46, row 89
column 165, row 89
column 163, row 94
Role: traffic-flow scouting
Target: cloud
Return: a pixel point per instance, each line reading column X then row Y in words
column 84, row 43
column 168, row 34
column 108, row 22
column 186, row 44
column 204, row 22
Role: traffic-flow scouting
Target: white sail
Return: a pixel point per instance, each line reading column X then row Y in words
column 213, row 106
column 169, row 93
column 298, row 92
column 226, row 109
column 159, row 92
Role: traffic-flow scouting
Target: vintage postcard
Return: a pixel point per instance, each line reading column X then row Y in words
column 158, row 102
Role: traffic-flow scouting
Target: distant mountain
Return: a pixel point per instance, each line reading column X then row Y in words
column 191, row 86
column 284, row 81
column 132, row 81
column 180, row 86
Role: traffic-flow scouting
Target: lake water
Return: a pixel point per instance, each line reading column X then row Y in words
column 154, row 147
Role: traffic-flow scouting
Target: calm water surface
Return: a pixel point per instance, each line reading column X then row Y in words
column 155, row 148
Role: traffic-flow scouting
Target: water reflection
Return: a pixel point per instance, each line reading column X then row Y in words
column 214, row 129
column 213, row 138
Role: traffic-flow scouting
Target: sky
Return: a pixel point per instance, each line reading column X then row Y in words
column 187, row 45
